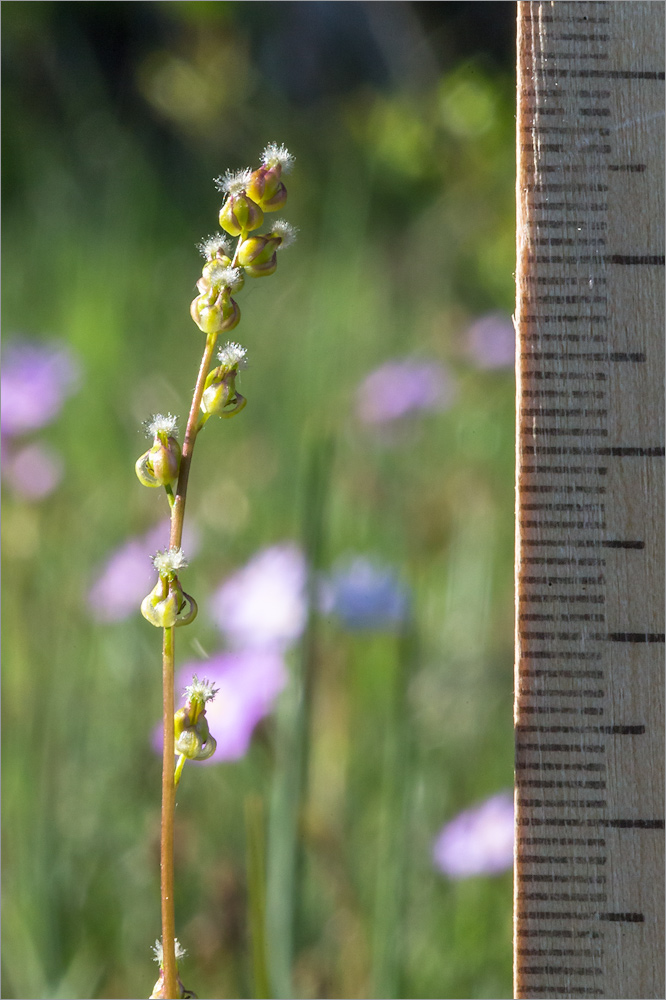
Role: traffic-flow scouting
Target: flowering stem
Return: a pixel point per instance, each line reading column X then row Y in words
column 168, row 808
column 178, row 509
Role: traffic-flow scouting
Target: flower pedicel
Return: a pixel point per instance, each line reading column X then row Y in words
column 249, row 195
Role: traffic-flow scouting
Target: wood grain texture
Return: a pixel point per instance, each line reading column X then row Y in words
column 589, row 704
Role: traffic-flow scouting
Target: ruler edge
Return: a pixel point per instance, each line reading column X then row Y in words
column 522, row 270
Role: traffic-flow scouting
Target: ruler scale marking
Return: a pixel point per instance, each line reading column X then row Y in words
column 590, row 315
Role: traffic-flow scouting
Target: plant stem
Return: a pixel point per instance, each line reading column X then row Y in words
column 178, row 509
column 171, row 988
column 168, row 807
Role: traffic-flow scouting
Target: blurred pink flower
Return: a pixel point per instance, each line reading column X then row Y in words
column 128, row 574
column 264, row 605
column 37, row 377
column 491, row 341
column 33, row 471
column 479, row 841
column 401, row 387
column 248, row 683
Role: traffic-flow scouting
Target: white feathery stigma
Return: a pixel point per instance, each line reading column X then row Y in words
column 214, row 244
column 233, row 354
column 200, row 690
column 162, row 423
column 228, row 277
column 158, row 951
column 234, row 182
column 284, row 229
column 274, row 155
column 168, row 561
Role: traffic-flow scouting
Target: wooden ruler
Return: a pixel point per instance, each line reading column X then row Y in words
column 589, row 706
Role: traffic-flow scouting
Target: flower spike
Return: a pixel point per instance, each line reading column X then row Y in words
column 246, row 195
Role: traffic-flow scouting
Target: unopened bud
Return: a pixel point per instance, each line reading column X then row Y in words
column 220, row 397
column 215, row 313
column 258, row 250
column 267, row 189
column 161, row 606
column 240, row 214
column 190, row 726
column 160, row 464
column 165, row 460
column 265, row 185
column 167, row 605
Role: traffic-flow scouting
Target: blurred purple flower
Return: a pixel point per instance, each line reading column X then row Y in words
column 248, row 683
column 491, row 341
column 401, row 387
column 33, row 471
column 264, row 604
column 37, row 376
column 128, row 574
column 365, row 595
column 479, row 841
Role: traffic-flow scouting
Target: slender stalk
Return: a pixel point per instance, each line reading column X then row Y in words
column 168, row 808
column 178, row 509
column 168, row 779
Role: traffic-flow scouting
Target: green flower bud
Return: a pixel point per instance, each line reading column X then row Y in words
column 264, row 185
column 195, row 742
column 167, row 605
column 267, row 190
column 240, row 214
column 220, row 397
column 161, row 606
column 215, row 312
column 165, row 460
column 258, row 250
column 257, row 253
column 190, row 726
column 159, row 465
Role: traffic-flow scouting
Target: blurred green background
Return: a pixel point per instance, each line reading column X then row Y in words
column 116, row 117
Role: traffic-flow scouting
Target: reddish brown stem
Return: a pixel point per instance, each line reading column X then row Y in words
column 169, row 966
column 178, row 509
column 168, row 808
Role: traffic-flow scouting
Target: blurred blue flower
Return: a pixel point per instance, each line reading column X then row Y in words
column 264, row 604
column 248, row 683
column 400, row 387
column 479, row 841
column 128, row 573
column 365, row 595
column 36, row 379
column 491, row 341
